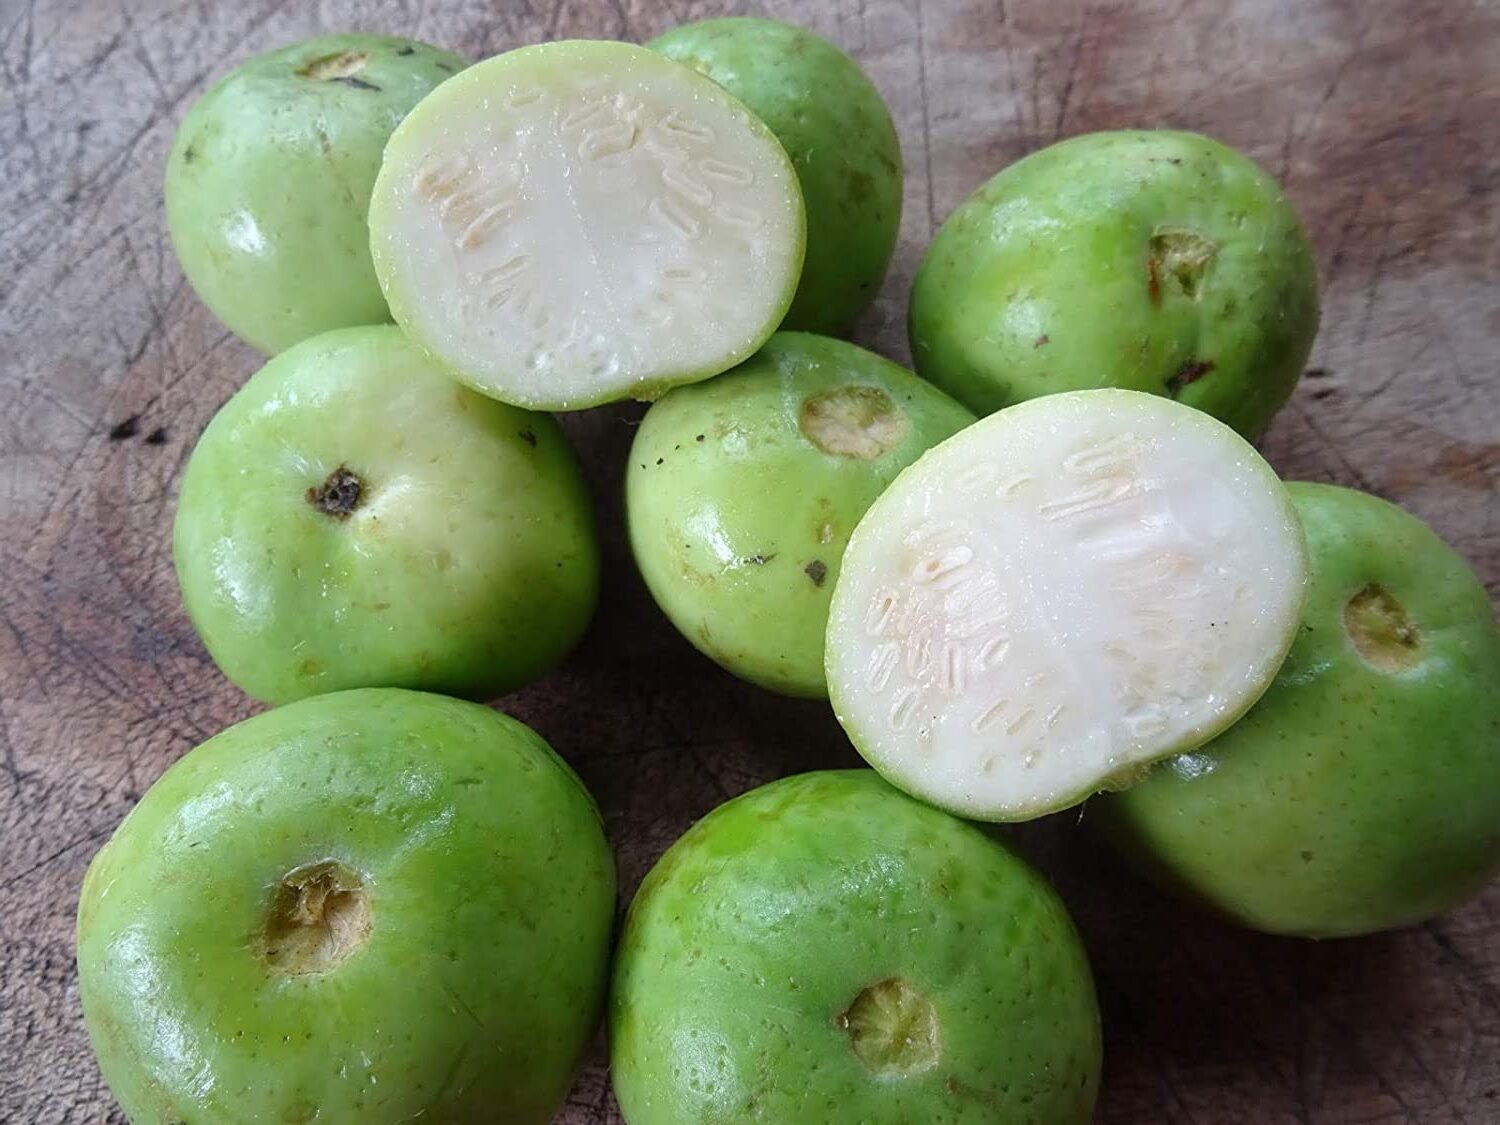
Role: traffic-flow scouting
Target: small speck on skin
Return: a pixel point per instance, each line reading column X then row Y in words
column 529, row 438
column 355, row 81
column 817, row 570
column 700, row 437
column 157, row 436
column 408, row 50
column 1041, row 340
column 659, row 460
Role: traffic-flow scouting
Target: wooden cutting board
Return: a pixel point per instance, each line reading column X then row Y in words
column 1381, row 116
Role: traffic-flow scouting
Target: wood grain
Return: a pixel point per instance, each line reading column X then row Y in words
column 1378, row 114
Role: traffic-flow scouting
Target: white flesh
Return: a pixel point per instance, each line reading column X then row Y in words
column 1062, row 592
column 578, row 222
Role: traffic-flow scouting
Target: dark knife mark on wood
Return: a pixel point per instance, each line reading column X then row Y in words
column 126, row 428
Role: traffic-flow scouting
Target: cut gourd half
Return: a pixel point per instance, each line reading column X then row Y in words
column 578, row 222
column 1058, row 596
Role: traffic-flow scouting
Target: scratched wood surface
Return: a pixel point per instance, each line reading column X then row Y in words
column 1380, row 116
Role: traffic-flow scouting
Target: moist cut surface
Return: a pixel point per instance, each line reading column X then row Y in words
column 1058, row 594
column 577, row 222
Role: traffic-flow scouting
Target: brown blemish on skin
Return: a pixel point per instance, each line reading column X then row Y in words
column 338, row 495
column 332, row 68
column 1381, row 630
column 1180, row 257
column 860, row 185
column 326, row 142
column 319, row 916
column 958, row 1089
column 817, row 570
column 855, row 420
column 1190, row 372
column 1041, row 340
column 893, row 1029
column 694, row 577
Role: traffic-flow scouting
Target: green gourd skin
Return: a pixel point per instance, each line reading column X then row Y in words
column 1362, row 793
column 837, row 130
column 1154, row 261
column 269, row 180
column 744, row 978
column 468, row 563
column 478, row 981
column 738, row 518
